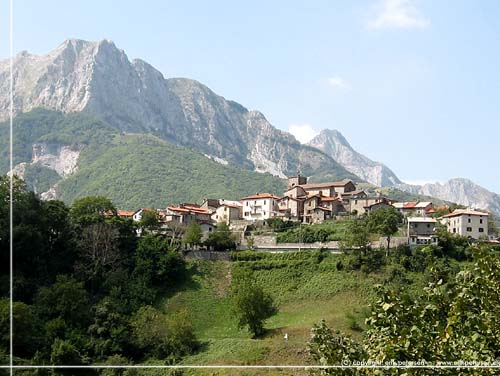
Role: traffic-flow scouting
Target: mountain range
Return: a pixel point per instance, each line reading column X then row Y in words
column 98, row 81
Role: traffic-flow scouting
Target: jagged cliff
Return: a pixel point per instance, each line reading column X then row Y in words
column 333, row 143
column 459, row 190
column 99, row 79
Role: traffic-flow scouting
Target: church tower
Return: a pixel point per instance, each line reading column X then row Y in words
column 296, row 180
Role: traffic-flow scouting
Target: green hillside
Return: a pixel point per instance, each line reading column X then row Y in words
column 132, row 170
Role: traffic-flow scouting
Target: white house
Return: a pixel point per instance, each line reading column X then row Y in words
column 467, row 222
column 260, row 206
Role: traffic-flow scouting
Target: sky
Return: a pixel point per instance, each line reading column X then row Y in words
column 414, row 84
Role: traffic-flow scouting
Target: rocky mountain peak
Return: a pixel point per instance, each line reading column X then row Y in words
column 334, row 144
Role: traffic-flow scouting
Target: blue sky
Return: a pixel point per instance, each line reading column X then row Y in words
column 414, row 84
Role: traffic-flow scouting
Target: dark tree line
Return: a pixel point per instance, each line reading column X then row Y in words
column 85, row 285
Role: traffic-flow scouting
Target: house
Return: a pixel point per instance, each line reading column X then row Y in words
column 467, row 222
column 291, row 208
column 125, row 213
column 421, row 230
column 260, row 206
column 413, row 208
column 187, row 213
column 362, row 203
column 227, row 213
column 331, row 189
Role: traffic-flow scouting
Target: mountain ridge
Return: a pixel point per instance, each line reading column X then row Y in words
column 334, row 144
column 98, row 78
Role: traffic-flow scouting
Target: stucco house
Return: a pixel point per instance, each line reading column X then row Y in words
column 467, row 222
column 260, row 206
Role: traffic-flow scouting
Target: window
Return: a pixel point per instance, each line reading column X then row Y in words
column 454, row 230
column 264, row 213
column 428, row 225
column 247, row 203
column 264, row 202
column 247, row 214
column 480, row 220
column 469, row 229
column 468, row 220
column 481, row 229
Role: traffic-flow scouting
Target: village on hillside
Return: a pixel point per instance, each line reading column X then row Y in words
column 316, row 203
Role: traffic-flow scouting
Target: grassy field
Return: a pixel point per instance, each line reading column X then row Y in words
column 306, row 289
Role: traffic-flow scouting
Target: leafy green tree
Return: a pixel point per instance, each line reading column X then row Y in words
column 221, row 239
column 192, row 236
column 157, row 266
column 328, row 348
column 67, row 299
column 251, row 305
column 161, row 336
column 150, row 222
column 446, row 322
column 25, row 337
column 65, row 353
column 91, row 209
column 110, row 331
column 385, row 221
column 357, row 236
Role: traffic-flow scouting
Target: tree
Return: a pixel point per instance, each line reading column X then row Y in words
column 385, row 221
column 91, row 209
column 251, row 304
column 328, row 348
column 67, row 299
column 161, row 335
column 192, row 236
column 446, row 322
column 149, row 221
column 357, row 236
column 100, row 253
column 221, row 239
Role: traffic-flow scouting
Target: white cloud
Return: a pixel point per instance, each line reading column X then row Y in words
column 400, row 14
column 303, row 132
column 339, row 82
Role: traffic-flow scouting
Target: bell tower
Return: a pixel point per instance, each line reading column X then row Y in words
column 296, row 180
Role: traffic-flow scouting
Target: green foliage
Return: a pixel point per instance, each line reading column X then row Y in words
column 40, row 178
column 25, row 338
column 67, row 299
column 328, row 348
column 385, row 221
column 150, row 221
column 221, row 239
column 357, row 236
column 92, row 209
column 160, row 336
column 192, row 236
column 332, row 231
column 446, row 321
column 134, row 171
column 252, row 305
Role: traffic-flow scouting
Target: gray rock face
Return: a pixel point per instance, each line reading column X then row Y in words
column 98, row 78
column 334, row 144
column 461, row 191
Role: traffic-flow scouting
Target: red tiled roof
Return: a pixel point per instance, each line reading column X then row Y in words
column 260, row 195
column 464, row 212
column 409, row 205
column 176, row 208
column 125, row 213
